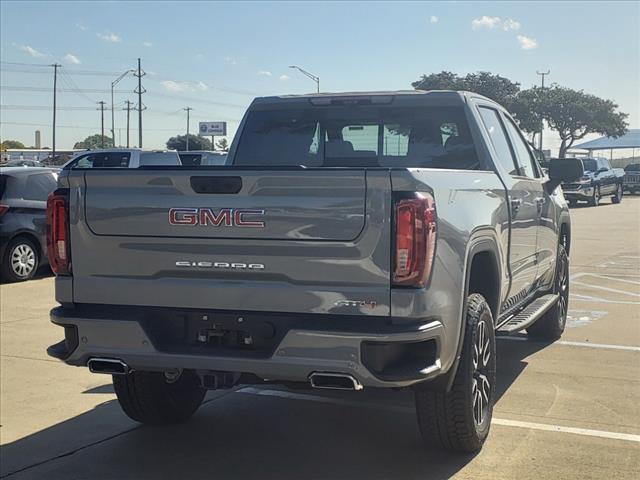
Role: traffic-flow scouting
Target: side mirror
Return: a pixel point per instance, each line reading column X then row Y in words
column 564, row 170
column 601, row 170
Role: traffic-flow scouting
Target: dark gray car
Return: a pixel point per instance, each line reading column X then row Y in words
column 23, row 203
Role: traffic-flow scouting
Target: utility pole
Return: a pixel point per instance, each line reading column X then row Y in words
column 113, row 84
column 542, row 74
column 310, row 75
column 188, row 109
column 101, row 103
column 55, row 84
column 141, row 107
column 128, row 109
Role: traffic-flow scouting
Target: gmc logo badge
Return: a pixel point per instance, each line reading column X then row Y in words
column 226, row 217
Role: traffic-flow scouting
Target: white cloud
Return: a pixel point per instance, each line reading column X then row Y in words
column 264, row 73
column 230, row 60
column 510, row 24
column 80, row 26
column 32, row 51
column 199, row 56
column 172, row 86
column 109, row 37
column 69, row 57
column 495, row 22
column 284, row 77
column 527, row 43
column 147, row 44
column 485, row 22
column 433, row 19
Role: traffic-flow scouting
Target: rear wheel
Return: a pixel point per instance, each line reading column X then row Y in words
column 551, row 325
column 617, row 198
column 459, row 420
column 20, row 260
column 157, row 398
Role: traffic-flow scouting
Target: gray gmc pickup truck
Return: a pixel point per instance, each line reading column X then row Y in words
column 357, row 240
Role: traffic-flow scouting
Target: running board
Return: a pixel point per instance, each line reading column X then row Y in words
column 529, row 314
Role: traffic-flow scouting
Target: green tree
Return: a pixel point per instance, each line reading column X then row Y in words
column 574, row 114
column 7, row 144
column 196, row 142
column 492, row 86
column 93, row 142
column 222, row 144
column 526, row 108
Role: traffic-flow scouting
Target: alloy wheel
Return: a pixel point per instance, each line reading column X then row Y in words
column 23, row 260
column 481, row 386
column 562, row 287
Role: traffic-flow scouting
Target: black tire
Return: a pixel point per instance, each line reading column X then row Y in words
column 617, row 198
column 551, row 325
column 21, row 260
column 594, row 201
column 453, row 420
column 150, row 398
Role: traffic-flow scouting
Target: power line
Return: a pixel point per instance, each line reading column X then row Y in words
column 16, row 88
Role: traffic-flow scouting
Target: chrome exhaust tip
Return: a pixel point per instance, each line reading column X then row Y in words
column 109, row 366
column 334, row 381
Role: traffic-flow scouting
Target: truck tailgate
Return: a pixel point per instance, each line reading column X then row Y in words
column 276, row 240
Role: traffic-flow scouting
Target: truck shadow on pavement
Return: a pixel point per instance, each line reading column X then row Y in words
column 236, row 435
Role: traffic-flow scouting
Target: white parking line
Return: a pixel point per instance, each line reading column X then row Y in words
column 496, row 421
column 606, row 289
column 606, row 346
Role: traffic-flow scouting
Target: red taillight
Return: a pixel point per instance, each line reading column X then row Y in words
column 58, row 232
column 415, row 239
column 3, row 209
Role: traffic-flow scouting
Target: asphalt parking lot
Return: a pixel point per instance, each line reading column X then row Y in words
column 566, row 410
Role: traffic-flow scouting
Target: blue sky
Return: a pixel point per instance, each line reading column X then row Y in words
column 216, row 56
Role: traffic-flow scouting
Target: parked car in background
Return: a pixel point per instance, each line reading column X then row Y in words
column 196, row 158
column 23, row 163
column 23, row 203
column 599, row 180
column 124, row 158
column 631, row 181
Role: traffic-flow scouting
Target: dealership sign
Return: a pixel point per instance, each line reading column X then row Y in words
column 217, row 129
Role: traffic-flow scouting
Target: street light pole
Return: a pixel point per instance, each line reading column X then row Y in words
column 310, row 75
column 113, row 84
column 542, row 74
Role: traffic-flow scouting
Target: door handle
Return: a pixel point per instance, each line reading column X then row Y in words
column 516, row 203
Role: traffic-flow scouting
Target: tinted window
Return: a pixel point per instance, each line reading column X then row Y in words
column 190, row 159
column 428, row 137
column 3, row 185
column 590, row 165
column 523, row 154
column 103, row 160
column 38, row 186
column 493, row 125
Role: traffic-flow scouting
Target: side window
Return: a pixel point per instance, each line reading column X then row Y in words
column 496, row 132
column 523, row 154
column 38, row 186
column 111, row 159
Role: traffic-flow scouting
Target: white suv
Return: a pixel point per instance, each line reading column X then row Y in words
column 124, row 158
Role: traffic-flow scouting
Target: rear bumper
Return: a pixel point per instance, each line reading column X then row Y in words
column 393, row 356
